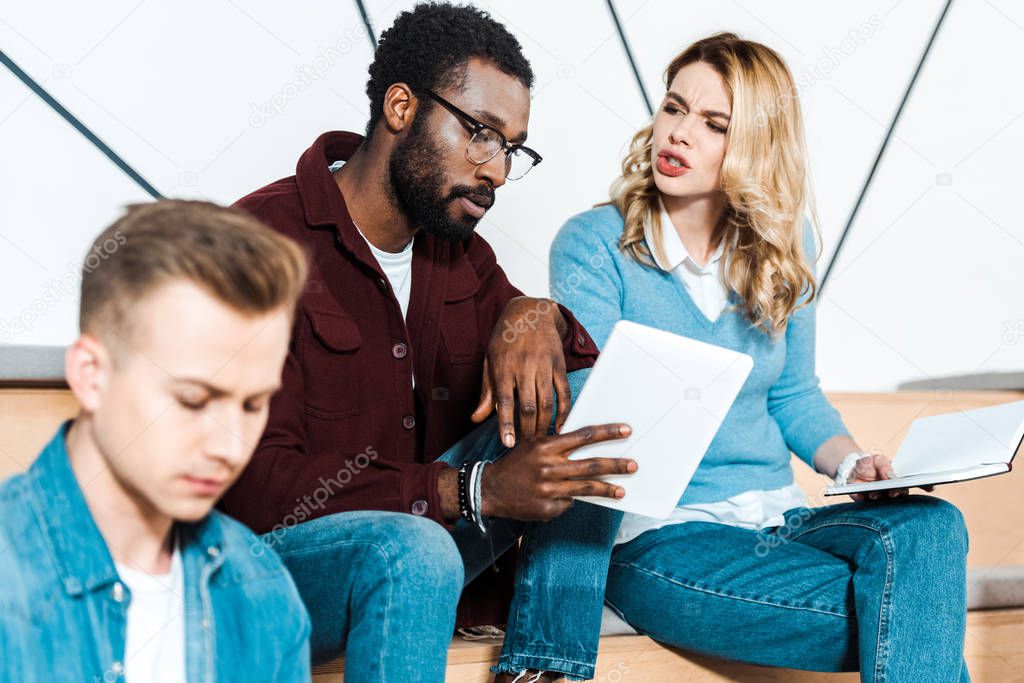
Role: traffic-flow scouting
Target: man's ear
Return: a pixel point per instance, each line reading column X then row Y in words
column 400, row 107
column 87, row 367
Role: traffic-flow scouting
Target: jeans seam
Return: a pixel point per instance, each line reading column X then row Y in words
column 314, row 549
column 719, row 594
column 385, row 620
column 570, row 667
column 881, row 651
column 521, row 591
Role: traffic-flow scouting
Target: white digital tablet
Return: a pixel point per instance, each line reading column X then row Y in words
column 674, row 392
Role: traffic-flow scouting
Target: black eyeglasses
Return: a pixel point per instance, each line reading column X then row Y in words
column 486, row 141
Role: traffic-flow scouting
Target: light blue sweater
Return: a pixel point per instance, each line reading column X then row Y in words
column 779, row 409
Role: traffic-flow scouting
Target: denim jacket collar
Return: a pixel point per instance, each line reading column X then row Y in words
column 79, row 549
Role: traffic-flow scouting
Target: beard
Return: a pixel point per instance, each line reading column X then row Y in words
column 418, row 187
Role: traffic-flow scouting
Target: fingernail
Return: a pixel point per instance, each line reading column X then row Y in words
column 632, row 466
column 620, row 493
column 509, row 441
column 625, row 429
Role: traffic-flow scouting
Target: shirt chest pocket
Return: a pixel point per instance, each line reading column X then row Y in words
column 459, row 325
column 330, row 364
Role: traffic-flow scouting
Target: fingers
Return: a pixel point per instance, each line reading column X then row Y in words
column 486, row 403
column 591, row 468
column 878, row 495
column 864, row 470
column 564, row 394
column 589, row 435
column 883, row 466
column 506, row 403
column 600, row 489
column 545, row 401
column 527, row 388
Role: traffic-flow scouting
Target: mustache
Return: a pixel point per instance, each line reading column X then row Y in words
column 482, row 194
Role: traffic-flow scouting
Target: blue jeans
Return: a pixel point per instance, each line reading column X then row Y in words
column 561, row 565
column 364, row 575
column 381, row 587
column 878, row 587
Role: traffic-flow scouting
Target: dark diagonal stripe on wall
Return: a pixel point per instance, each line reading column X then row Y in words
column 78, row 125
column 885, row 144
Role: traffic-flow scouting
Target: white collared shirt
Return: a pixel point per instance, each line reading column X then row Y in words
column 704, row 283
column 756, row 509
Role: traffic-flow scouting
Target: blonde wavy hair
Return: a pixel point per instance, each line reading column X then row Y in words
column 765, row 182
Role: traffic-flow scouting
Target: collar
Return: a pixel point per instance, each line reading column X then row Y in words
column 82, row 557
column 322, row 202
column 673, row 251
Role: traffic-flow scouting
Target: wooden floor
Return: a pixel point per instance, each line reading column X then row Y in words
column 994, row 651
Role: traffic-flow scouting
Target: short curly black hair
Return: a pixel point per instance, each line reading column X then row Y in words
column 428, row 47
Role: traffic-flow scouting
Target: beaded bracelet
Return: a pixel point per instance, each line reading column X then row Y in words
column 464, row 494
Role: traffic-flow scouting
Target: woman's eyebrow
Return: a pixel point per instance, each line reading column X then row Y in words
column 707, row 112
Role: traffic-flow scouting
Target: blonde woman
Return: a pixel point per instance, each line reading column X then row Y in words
column 705, row 237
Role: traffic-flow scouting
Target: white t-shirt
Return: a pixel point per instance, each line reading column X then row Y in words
column 751, row 509
column 397, row 267
column 155, row 643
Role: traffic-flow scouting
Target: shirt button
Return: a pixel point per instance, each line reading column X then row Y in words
column 117, row 668
column 399, row 350
column 382, row 285
column 420, row 508
column 408, row 421
column 582, row 340
column 213, row 551
column 117, row 592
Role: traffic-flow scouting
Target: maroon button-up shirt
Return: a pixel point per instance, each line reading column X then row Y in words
column 347, row 431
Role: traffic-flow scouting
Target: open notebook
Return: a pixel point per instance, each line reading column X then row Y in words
column 943, row 449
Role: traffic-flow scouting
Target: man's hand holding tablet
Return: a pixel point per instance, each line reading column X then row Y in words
column 536, row 481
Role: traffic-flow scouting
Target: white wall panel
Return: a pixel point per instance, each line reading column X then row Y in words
column 56, row 197
column 213, row 99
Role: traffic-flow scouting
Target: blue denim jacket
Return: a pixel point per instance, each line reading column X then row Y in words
column 63, row 607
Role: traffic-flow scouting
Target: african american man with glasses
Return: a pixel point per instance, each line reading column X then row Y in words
column 382, row 436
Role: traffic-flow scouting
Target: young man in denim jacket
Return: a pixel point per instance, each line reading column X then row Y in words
column 114, row 566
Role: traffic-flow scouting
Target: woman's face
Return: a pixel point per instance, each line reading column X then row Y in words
column 689, row 133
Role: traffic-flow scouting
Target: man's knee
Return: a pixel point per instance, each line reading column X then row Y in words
column 421, row 553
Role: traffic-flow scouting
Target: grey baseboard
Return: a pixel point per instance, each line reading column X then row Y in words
column 982, row 381
column 32, row 366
